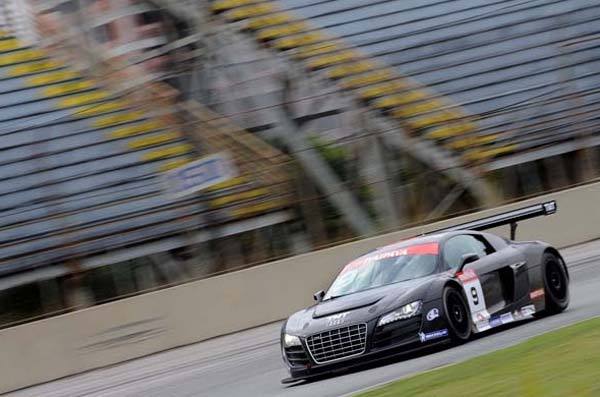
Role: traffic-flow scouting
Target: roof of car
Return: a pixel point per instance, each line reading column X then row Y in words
column 424, row 239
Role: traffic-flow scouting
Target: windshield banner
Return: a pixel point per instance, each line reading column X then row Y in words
column 421, row 249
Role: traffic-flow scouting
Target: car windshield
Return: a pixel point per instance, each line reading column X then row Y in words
column 383, row 268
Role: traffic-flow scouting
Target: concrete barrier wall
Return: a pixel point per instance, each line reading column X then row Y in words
column 129, row 328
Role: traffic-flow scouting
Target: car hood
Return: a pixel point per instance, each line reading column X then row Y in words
column 345, row 303
column 359, row 307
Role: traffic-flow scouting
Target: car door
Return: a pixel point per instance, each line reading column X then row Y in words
column 496, row 277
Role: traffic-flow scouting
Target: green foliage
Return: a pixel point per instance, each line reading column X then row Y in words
column 337, row 157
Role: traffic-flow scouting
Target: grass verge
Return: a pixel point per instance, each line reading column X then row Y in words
column 565, row 362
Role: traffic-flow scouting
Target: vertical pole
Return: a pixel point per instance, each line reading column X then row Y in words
column 50, row 295
column 88, row 43
column 385, row 199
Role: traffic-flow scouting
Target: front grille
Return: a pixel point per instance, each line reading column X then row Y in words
column 338, row 343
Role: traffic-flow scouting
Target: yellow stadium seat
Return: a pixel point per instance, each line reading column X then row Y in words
column 94, row 110
column 433, row 119
column 257, row 208
column 227, row 184
column 67, row 88
column 33, row 67
column 83, row 99
column 174, row 164
column 287, row 43
column 167, row 152
column 281, row 31
column 412, row 110
column 399, row 99
column 250, row 11
column 379, row 90
column 115, row 119
column 20, row 56
column 333, row 59
column 471, row 141
column 222, row 5
column 268, row 20
column 349, row 69
column 153, row 140
column 137, row 129
column 481, row 155
column 451, row 130
column 10, row 45
column 317, row 49
column 368, row 79
column 232, row 198
column 484, row 139
column 54, row 77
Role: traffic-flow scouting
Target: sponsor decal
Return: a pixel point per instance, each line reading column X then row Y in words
column 536, row 294
column 481, row 320
column 528, row 310
column 420, row 249
column 433, row 335
column 433, row 314
column 506, row 318
column 482, row 316
column 336, row 319
column 524, row 312
column 502, row 319
column 483, row 326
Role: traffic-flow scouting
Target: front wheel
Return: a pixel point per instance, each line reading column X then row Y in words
column 556, row 284
column 457, row 315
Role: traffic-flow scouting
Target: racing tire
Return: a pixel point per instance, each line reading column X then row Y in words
column 457, row 315
column 556, row 283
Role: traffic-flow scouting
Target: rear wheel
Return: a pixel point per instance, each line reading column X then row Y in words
column 556, row 284
column 457, row 315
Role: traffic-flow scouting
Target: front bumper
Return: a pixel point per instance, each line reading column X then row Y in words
column 400, row 338
column 298, row 374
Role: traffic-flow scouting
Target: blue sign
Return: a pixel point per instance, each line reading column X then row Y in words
column 200, row 174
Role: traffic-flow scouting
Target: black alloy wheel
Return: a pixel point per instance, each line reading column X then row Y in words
column 556, row 284
column 457, row 314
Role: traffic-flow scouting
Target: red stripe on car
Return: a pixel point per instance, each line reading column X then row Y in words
column 420, row 249
column 467, row 275
column 536, row 294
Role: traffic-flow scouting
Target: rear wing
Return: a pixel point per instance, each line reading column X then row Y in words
column 507, row 218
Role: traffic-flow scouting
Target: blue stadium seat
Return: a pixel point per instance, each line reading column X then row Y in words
column 486, row 58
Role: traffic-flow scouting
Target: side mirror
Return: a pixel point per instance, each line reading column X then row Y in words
column 319, row 295
column 466, row 259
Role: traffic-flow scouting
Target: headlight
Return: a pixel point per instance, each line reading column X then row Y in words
column 291, row 340
column 406, row 311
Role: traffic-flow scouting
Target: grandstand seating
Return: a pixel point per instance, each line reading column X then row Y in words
column 484, row 79
column 81, row 167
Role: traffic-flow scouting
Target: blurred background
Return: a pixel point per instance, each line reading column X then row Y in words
column 344, row 119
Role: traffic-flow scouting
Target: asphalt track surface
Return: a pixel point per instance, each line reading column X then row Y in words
column 249, row 363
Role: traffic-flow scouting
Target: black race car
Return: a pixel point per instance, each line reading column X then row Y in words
column 436, row 288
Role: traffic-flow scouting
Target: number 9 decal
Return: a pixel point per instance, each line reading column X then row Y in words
column 473, row 291
column 474, row 296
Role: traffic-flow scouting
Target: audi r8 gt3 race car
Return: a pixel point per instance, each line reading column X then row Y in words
column 435, row 288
